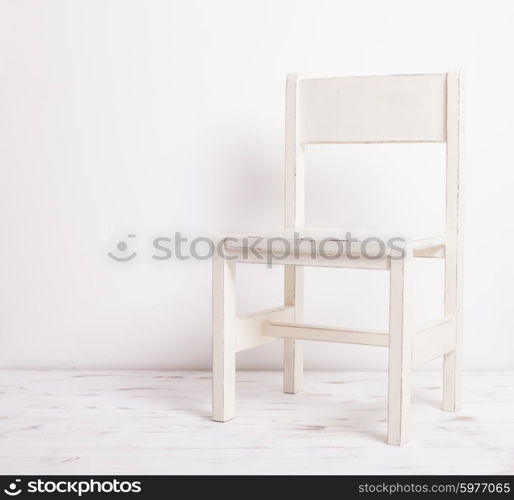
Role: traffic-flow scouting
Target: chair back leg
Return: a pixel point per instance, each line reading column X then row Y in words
column 293, row 349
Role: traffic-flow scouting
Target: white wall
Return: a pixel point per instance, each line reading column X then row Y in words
column 152, row 117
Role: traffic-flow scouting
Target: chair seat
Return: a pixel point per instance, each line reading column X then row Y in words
column 333, row 241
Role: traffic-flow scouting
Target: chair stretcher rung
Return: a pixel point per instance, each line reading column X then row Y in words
column 325, row 333
column 433, row 341
column 249, row 328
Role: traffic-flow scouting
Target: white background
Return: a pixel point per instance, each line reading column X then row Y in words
column 152, row 117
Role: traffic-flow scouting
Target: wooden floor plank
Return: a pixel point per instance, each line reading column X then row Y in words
column 144, row 422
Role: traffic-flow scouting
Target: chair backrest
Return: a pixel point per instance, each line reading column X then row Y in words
column 378, row 109
column 374, row 109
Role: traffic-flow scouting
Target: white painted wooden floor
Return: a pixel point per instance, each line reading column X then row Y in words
column 158, row 423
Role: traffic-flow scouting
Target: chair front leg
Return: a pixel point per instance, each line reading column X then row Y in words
column 223, row 339
column 400, row 351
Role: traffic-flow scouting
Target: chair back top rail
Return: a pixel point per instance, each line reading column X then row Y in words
column 376, row 109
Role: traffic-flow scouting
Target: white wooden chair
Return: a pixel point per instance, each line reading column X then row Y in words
column 378, row 109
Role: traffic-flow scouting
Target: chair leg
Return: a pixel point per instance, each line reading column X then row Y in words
column 452, row 375
column 452, row 368
column 223, row 339
column 293, row 349
column 293, row 366
column 400, row 352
